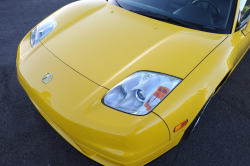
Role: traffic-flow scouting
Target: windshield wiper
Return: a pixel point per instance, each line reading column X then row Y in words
column 118, row 3
column 164, row 18
column 182, row 23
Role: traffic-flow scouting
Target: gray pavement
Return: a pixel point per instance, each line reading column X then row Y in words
column 221, row 138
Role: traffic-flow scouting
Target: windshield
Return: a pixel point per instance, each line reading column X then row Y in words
column 215, row 16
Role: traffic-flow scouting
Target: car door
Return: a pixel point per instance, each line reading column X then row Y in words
column 244, row 17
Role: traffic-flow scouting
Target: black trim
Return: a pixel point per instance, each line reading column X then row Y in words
column 223, row 81
column 193, row 124
column 243, row 33
column 165, row 124
column 73, row 68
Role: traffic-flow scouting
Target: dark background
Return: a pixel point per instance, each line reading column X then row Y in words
column 221, row 138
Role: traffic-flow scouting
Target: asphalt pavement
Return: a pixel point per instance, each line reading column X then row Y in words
column 222, row 136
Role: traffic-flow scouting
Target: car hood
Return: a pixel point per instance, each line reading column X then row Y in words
column 106, row 43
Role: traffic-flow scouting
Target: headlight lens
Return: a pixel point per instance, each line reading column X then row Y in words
column 42, row 29
column 141, row 92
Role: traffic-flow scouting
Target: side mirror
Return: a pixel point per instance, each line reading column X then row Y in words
column 239, row 19
column 246, row 30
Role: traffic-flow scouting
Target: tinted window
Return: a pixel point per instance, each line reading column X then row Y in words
column 207, row 15
column 244, row 8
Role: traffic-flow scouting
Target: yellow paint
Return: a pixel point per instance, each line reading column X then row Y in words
column 105, row 48
column 247, row 28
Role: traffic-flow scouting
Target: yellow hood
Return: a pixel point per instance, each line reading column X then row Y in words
column 106, row 43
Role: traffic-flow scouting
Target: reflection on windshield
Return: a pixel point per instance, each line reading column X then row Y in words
column 208, row 14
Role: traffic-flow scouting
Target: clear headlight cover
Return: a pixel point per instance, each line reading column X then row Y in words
column 42, row 29
column 141, row 92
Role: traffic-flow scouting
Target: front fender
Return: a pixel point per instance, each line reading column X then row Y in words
column 186, row 101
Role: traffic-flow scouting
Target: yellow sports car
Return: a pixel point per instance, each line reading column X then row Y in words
column 123, row 81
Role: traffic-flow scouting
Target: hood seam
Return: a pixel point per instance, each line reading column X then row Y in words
column 205, row 58
column 74, row 69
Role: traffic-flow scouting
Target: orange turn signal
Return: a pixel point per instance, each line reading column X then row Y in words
column 180, row 126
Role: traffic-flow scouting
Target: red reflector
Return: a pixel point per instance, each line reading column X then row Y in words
column 180, row 126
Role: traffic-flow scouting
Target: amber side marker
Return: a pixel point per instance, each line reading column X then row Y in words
column 180, row 126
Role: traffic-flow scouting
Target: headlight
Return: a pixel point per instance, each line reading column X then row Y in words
column 42, row 29
column 141, row 92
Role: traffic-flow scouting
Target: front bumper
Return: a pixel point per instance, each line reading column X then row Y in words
column 72, row 105
column 105, row 160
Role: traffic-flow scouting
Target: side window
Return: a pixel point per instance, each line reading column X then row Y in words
column 245, row 10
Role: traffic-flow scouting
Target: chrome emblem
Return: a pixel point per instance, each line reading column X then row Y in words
column 47, row 78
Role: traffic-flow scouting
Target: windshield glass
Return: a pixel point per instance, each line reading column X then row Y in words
column 215, row 16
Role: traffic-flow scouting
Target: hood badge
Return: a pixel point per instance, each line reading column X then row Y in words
column 46, row 78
